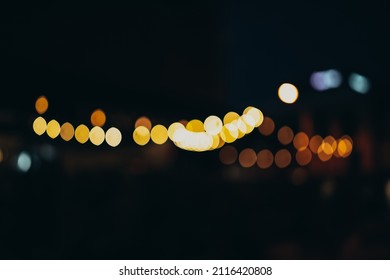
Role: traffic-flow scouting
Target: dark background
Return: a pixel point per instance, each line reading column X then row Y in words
column 182, row 60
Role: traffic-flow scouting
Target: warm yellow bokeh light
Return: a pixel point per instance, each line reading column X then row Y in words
column 265, row 158
column 303, row 157
column 41, row 105
column 344, row 147
column 82, row 133
column 216, row 140
column 67, row 131
column 173, row 127
column 213, row 125
column 247, row 158
column 229, row 133
column 53, row 129
column 228, row 155
column 288, row 93
column 315, row 143
column 98, row 118
column 141, row 135
column 301, row 141
column 195, row 126
column 113, row 136
column 229, row 117
column 143, row 121
column 256, row 114
column 285, row 135
column 282, row 158
column 267, row 127
column 159, row 134
column 332, row 142
column 39, row 125
column 96, row 135
column 325, row 151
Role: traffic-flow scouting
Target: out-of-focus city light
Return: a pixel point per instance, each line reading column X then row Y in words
column 228, row 155
column 267, row 127
column 173, row 127
column 265, row 158
column 159, row 134
column 39, row 125
column 359, row 83
column 325, row 151
column 285, row 135
column 247, row 158
column 141, row 135
column 256, row 114
column 324, row 80
column 41, row 105
column 301, row 141
column 344, row 146
column 53, row 129
column 67, row 131
column 282, row 158
column 113, row 137
column 229, row 133
column 230, row 117
column 96, row 135
column 315, row 143
column 24, row 162
column 195, row 126
column 213, row 125
column 329, row 149
column 143, row 121
column 82, row 133
column 241, row 126
column 98, row 118
column 303, row 157
column 288, row 93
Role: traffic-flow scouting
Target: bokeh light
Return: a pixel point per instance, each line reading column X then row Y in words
column 143, row 121
column 173, row 127
column 282, row 158
column 315, row 143
column 195, row 126
column 213, row 125
column 229, row 133
column 113, row 137
column 228, row 155
column 98, row 118
column 96, row 135
column 247, row 158
column 344, row 147
column 301, row 141
column 67, row 131
column 82, row 133
column 53, row 129
column 331, row 148
column 324, row 80
column 256, row 114
column 267, row 127
column 303, row 157
column 265, row 158
column 359, row 83
column 325, row 151
column 41, row 105
column 141, row 135
column 39, row 125
column 229, row 117
column 288, row 93
column 24, row 162
column 285, row 135
column 159, row 134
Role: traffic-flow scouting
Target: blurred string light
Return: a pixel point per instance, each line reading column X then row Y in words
column 247, row 158
column 267, row 127
column 82, row 133
column 301, row 141
column 282, row 158
column 113, row 137
column 143, row 121
column 303, row 157
column 96, row 135
column 285, row 135
column 98, row 118
column 67, row 131
column 265, row 159
column 41, row 105
column 159, row 134
column 359, row 83
column 23, row 162
column 39, row 125
column 324, row 80
column 315, row 143
column 53, row 129
column 288, row 93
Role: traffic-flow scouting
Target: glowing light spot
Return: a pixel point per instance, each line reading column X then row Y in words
column 303, row 157
column 288, row 93
column 113, row 137
column 96, row 135
column 285, row 135
column 229, row 117
column 173, row 127
column 141, row 135
column 143, row 121
column 221, row 142
column 301, row 141
column 228, row 155
column 247, row 158
column 282, row 158
column 159, row 134
column 265, row 159
column 53, row 129
column 41, row 105
column 329, row 149
column 216, row 140
column 82, row 133
column 24, row 162
column 195, row 126
column 242, row 127
column 256, row 114
column 344, row 147
column 315, row 143
column 267, row 127
column 359, row 83
column 67, row 131
column 98, row 118
column 213, row 125
column 249, row 123
column 39, row 125
column 229, row 133
column 183, row 122
column 325, row 151
column 324, row 80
